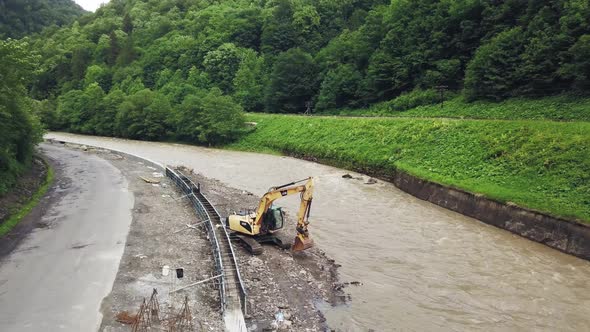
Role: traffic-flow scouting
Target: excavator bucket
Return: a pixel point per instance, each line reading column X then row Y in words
column 302, row 243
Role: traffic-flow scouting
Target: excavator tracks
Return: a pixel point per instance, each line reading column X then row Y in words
column 248, row 242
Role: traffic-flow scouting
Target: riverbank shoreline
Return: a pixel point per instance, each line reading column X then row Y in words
column 278, row 281
column 518, row 176
column 568, row 236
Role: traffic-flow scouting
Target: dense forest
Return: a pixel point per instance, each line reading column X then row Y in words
column 19, row 130
column 184, row 70
column 19, row 18
column 156, row 69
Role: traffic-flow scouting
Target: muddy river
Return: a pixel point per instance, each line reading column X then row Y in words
column 421, row 267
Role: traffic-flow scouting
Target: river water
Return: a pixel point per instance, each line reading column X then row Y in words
column 423, row 268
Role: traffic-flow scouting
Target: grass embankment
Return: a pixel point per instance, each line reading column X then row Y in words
column 24, row 210
column 557, row 108
column 541, row 165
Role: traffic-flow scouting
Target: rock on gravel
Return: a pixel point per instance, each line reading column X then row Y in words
column 278, row 281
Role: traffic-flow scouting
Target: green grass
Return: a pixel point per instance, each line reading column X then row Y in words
column 541, row 165
column 15, row 218
column 557, row 108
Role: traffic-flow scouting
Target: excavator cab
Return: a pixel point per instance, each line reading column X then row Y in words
column 274, row 219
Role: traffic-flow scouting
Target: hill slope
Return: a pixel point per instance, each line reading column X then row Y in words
column 19, row 18
column 541, row 165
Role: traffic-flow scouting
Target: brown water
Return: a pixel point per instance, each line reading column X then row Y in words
column 422, row 267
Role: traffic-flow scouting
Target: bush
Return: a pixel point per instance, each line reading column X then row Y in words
column 415, row 98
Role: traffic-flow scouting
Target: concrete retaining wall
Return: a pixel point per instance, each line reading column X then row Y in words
column 568, row 236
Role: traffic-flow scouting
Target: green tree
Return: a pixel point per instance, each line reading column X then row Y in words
column 250, row 81
column 493, row 72
column 45, row 111
column 306, row 21
column 143, row 115
column 81, row 58
column 279, row 34
column 579, row 67
column 19, row 18
column 292, row 82
column 114, row 49
column 77, row 109
column 91, row 110
column 105, row 117
column 98, row 74
column 20, row 131
column 69, row 110
column 128, row 52
column 127, row 24
column 339, row 88
column 210, row 118
column 198, row 79
column 222, row 65
column 101, row 52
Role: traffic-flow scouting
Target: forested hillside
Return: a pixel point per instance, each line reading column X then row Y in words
column 19, row 131
column 157, row 69
column 19, row 18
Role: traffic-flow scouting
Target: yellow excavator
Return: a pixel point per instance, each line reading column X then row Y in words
column 261, row 226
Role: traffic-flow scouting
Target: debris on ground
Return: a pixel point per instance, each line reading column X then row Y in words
column 151, row 244
column 149, row 180
column 278, row 280
column 371, row 181
column 125, row 317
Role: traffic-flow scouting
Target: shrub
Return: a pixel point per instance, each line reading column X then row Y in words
column 414, row 99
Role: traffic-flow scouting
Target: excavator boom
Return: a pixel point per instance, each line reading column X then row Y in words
column 264, row 221
column 302, row 240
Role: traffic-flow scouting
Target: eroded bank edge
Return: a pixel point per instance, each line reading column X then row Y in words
column 568, row 236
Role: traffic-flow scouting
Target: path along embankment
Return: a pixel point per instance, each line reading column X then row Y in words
column 528, row 177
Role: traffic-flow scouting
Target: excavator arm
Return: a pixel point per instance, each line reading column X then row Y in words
column 302, row 240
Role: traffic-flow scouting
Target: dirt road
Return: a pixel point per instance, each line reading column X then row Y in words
column 58, row 275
